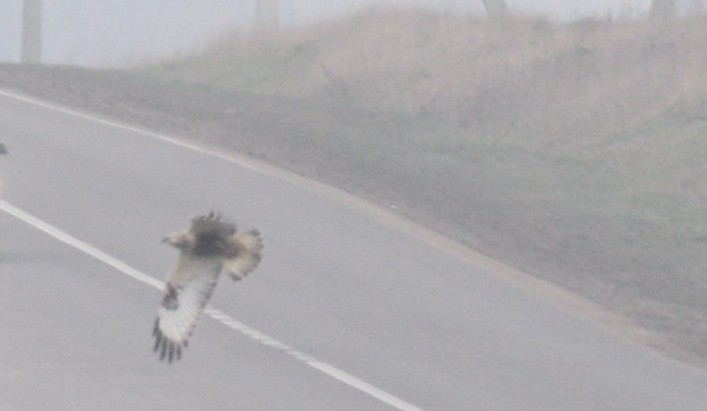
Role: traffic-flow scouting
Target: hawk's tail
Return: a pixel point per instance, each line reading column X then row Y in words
column 245, row 254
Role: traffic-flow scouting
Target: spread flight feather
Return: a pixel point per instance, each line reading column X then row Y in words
column 210, row 246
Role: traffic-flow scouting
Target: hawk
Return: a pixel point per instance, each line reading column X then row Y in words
column 211, row 246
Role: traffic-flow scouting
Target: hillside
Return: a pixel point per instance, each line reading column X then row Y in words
column 574, row 152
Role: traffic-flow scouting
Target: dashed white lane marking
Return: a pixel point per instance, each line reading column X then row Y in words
column 212, row 312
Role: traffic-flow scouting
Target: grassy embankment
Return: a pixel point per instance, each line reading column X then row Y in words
column 576, row 152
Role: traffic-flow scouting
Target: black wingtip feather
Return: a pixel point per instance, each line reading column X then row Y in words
column 163, row 350
column 168, row 350
column 158, row 340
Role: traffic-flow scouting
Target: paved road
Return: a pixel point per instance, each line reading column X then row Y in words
column 361, row 315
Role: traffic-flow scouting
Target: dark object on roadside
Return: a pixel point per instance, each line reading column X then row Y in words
column 3, row 150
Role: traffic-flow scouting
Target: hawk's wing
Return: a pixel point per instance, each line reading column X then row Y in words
column 186, row 296
column 242, row 254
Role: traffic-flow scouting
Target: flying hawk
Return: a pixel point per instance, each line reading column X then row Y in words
column 210, row 246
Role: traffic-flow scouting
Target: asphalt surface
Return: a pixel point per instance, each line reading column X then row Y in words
column 362, row 315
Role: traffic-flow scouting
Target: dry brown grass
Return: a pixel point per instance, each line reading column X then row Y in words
column 503, row 75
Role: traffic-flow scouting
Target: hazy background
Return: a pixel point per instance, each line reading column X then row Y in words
column 574, row 152
column 125, row 32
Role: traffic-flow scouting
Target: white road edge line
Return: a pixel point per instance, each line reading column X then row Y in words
column 212, row 312
column 243, row 162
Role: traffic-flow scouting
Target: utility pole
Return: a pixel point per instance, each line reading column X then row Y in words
column 662, row 10
column 32, row 32
column 496, row 8
column 267, row 14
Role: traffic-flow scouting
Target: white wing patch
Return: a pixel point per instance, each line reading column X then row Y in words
column 179, row 313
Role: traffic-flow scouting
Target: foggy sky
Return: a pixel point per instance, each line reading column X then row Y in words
column 124, row 32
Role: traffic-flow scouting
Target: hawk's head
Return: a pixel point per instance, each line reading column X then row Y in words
column 208, row 236
column 182, row 241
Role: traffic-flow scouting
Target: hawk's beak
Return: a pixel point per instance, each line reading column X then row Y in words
column 180, row 241
column 171, row 240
